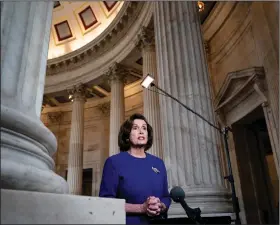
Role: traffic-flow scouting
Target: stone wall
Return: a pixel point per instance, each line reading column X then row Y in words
column 96, row 131
column 244, row 35
column 241, row 35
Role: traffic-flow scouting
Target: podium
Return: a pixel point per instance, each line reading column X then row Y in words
column 186, row 220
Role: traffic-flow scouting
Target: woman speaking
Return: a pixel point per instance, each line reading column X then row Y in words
column 135, row 175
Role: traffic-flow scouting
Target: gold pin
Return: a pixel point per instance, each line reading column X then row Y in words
column 155, row 170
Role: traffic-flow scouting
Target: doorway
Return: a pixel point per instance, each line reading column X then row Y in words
column 87, row 181
column 258, row 175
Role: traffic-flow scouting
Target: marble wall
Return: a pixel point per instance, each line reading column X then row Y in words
column 247, row 37
column 241, row 35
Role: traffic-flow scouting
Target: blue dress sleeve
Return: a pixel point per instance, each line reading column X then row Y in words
column 110, row 180
column 166, row 199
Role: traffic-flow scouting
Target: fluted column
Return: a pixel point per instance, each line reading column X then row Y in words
column 116, row 76
column 26, row 144
column 146, row 43
column 76, row 143
column 190, row 144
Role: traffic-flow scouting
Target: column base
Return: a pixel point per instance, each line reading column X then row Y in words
column 26, row 149
column 24, row 207
column 211, row 201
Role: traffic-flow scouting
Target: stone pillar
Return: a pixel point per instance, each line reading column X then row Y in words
column 116, row 76
column 146, row 43
column 76, row 144
column 104, row 137
column 190, row 144
column 26, row 144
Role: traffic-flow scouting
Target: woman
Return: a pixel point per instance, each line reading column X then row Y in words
column 136, row 176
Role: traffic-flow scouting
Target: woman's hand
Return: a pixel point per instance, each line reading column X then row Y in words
column 153, row 206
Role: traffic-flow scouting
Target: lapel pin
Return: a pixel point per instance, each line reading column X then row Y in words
column 155, row 170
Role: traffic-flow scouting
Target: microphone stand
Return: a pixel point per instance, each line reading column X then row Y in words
column 224, row 131
column 193, row 214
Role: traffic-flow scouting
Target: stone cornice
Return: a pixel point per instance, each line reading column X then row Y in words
column 98, row 64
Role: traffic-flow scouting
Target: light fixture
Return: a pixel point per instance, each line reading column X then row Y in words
column 147, row 81
column 200, row 6
column 70, row 96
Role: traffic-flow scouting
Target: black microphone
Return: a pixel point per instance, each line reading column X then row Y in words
column 178, row 195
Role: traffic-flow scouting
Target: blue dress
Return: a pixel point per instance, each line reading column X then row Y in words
column 135, row 179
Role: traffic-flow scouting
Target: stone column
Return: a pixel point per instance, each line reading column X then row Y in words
column 26, row 144
column 104, row 137
column 190, row 144
column 146, row 43
column 116, row 76
column 76, row 143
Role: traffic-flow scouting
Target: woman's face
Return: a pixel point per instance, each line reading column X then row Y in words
column 139, row 133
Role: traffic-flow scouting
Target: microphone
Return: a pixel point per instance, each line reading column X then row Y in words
column 178, row 195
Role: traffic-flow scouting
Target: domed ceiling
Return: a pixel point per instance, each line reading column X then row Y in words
column 75, row 24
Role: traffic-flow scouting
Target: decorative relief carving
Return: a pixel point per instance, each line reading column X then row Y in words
column 54, row 117
column 104, row 108
column 146, row 39
column 78, row 92
column 207, row 48
column 117, row 72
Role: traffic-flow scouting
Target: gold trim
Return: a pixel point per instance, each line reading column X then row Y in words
column 59, row 7
column 59, row 20
column 105, row 11
column 80, row 23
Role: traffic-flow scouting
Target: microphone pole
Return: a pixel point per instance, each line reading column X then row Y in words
column 224, row 131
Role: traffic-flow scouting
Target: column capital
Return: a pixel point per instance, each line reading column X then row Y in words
column 146, row 39
column 117, row 72
column 77, row 92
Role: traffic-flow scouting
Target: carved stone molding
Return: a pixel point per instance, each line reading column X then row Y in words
column 104, row 108
column 146, row 39
column 78, row 92
column 241, row 92
column 207, row 48
column 54, row 117
column 117, row 72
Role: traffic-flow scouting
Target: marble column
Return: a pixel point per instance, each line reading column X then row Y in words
column 26, row 144
column 190, row 144
column 76, row 143
column 146, row 43
column 116, row 76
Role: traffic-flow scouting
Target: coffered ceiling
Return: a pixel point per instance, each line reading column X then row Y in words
column 77, row 23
